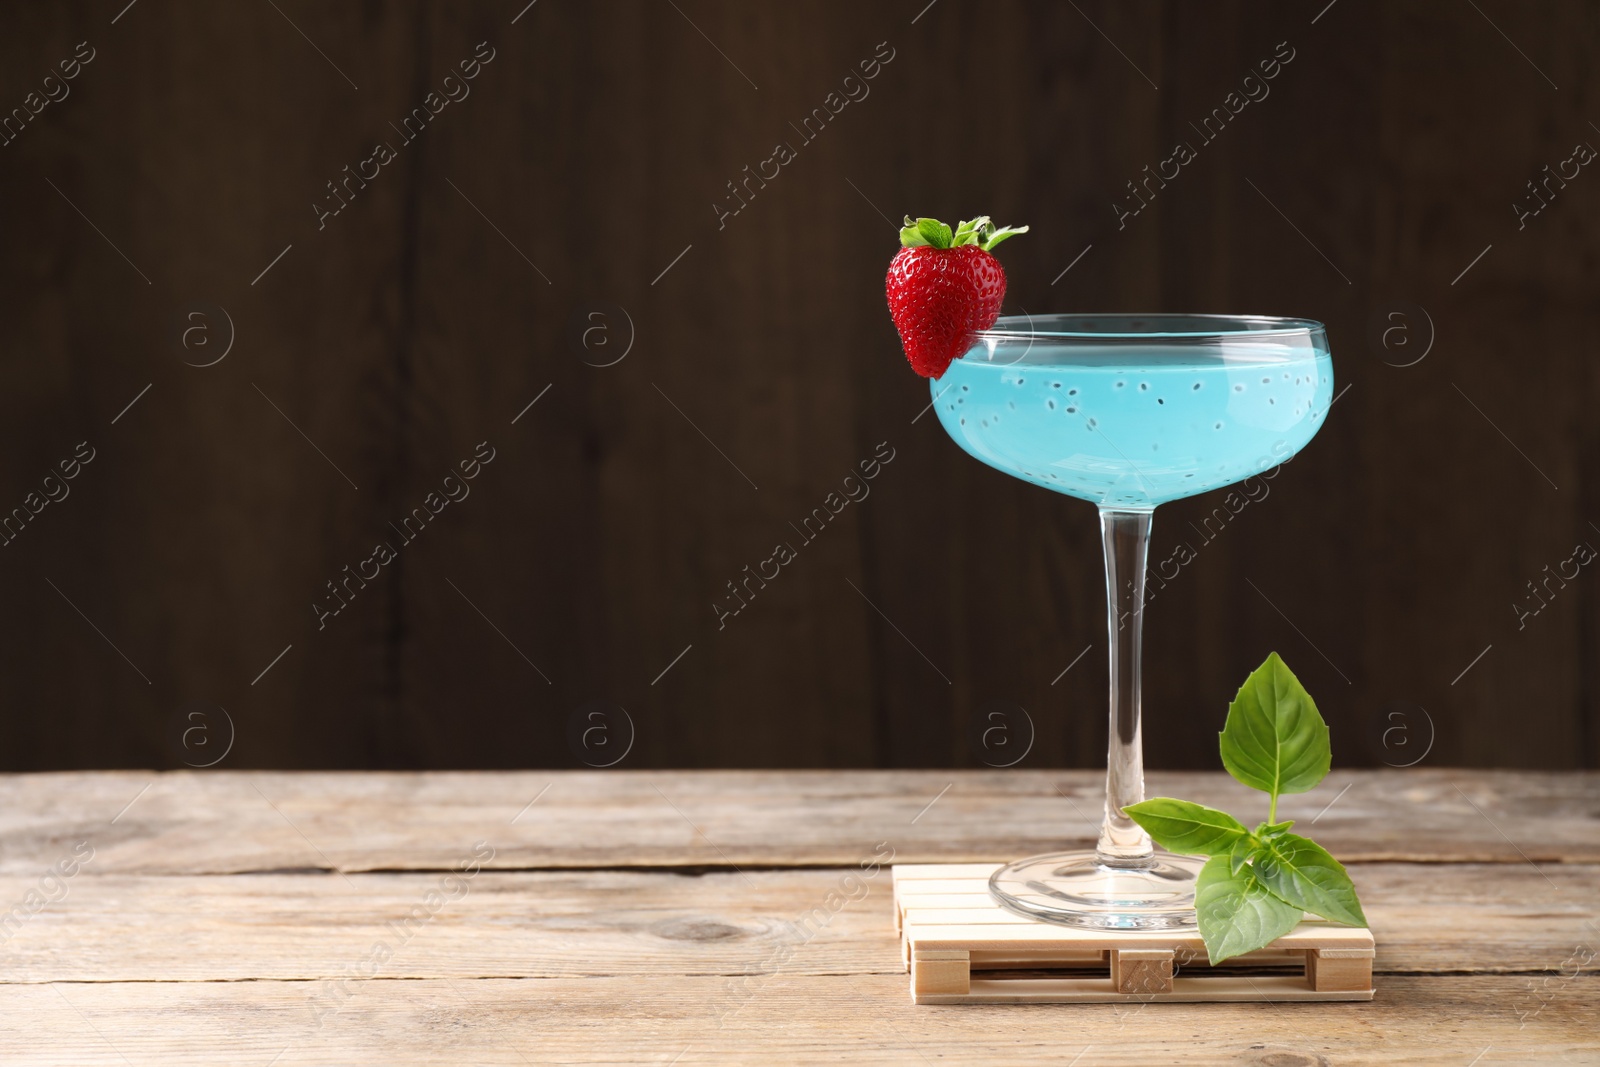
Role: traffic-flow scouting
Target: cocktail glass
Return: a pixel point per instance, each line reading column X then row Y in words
column 1127, row 412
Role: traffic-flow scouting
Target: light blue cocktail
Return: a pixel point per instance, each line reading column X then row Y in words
column 1127, row 412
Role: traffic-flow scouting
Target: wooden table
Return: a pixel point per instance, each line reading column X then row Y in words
column 722, row 917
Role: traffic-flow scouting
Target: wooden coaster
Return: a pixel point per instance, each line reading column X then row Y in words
column 963, row 948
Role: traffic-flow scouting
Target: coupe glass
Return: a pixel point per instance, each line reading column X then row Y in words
column 1127, row 412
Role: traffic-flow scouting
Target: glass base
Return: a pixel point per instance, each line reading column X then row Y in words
column 1078, row 889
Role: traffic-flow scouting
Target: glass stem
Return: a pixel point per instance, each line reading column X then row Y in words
column 1124, row 535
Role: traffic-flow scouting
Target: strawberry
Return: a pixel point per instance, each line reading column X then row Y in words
column 943, row 286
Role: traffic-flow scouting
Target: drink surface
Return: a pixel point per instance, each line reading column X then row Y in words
column 1135, row 426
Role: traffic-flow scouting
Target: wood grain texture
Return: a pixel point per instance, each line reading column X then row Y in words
column 426, row 315
column 159, row 948
column 191, row 548
column 1473, row 918
column 1437, row 1022
column 963, row 947
column 221, row 822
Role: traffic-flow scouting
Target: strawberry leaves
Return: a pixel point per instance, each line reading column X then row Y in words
column 981, row 231
column 992, row 236
column 1258, row 883
column 967, row 232
column 920, row 232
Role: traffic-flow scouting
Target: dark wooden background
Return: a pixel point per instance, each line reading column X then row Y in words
column 429, row 313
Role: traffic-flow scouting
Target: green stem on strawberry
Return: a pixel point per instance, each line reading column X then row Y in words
column 944, row 286
column 980, row 231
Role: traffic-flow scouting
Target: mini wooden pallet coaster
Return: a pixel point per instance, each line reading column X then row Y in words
column 963, row 948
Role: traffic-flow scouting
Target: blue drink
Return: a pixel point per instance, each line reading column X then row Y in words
column 1135, row 427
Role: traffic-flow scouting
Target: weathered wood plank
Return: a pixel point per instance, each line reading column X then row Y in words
column 1487, row 918
column 146, row 959
column 188, row 822
column 1443, row 1021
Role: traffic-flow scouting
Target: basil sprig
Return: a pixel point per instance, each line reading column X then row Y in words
column 1258, row 883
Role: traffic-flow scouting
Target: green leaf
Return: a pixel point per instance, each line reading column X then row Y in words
column 1236, row 913
column 1302, row 872
column 935, row 232
column 968, row 232
column 1182, row 826
column 1273, row 829
column 980, row 231
column 1242, row 850
column 1275, row 739
column 911, row 235
column 994, row 237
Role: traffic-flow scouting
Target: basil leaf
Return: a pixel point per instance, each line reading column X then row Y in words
column 1303, row 873
column 1182, row 826
column 1236, row 913
column 1242, row 850
column 1275, row 739
column 1273, row 829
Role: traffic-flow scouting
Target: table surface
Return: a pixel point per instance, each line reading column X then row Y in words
column 726, row 917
